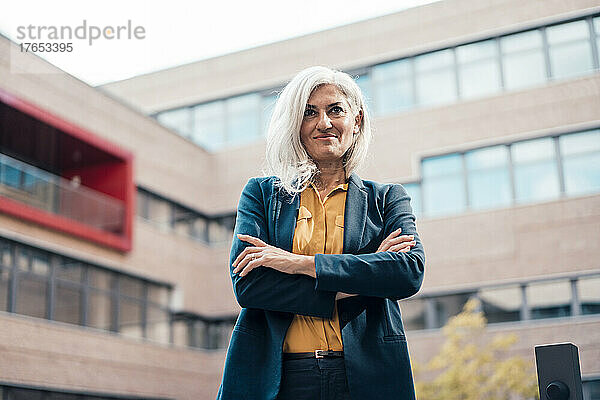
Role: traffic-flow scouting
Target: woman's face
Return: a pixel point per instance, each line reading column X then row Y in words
column 328, row 125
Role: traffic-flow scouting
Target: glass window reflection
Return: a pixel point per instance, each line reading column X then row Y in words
column 4, row 283
column 549, row 299
column 158, row 325
column 478, row 69
column 413, row 314
column 448, row 306
column 488, row 177
column 570, row 49
column 435, row 77
column 392, row 87
column 414, row 191
column 243, row 118
column 581, row 162
column 589, row 294
column 443, row 186
column 364, row 83
column 268, row 105
column 209, row 124
column 178, row 120
column 67, row 304
column 523, row 59
column 31, row 296
column 99, row 310
column 501, row 304
column 535, row 170
column 130, row 318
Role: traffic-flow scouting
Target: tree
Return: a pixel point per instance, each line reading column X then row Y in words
column 468, row 368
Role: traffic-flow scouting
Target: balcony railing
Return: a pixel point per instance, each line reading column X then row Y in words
column 40, row 189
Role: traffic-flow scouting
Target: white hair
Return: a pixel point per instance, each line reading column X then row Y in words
column 286, row 157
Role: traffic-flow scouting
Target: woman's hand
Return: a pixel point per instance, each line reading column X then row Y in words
column 262, row 254
column 397, row 243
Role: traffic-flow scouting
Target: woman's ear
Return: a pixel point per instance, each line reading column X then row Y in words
column 358, row 121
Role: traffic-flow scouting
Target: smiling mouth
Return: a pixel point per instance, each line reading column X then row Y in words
column 327, row 136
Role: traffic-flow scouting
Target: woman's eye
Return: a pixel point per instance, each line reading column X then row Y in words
column 337, row 110
column 309, row 112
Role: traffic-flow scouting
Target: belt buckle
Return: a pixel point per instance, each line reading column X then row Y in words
column 318, row 353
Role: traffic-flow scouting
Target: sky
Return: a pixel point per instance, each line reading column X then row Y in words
column 169, row 33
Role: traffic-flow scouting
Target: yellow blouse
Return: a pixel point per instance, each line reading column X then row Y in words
column 319, row 229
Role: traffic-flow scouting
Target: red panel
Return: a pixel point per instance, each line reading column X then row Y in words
column 109, row 178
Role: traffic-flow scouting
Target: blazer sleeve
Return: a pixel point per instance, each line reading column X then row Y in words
column 385, row 274
column 266, row 288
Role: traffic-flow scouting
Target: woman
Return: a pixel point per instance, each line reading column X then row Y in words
column 320, row 258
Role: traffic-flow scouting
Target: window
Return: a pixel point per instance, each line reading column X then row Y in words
column 445, row 307
column 591, row 389
column 31, row 295
column 4, row 285
column 549, row 299
column 209, row 124
column 178, row 120
column 100, row 309
column 523, row 59
column 569, row 49
column 501, row 304
column 268, row 106
column 589, row 294
column 56, row 287
column 243, row 118
column 581, row 162
column 32, row 282
column 435, row 78
column 195, row 331
column 413, row 314
column 364, row 82
column 443, row 185
column 392, row 87
column 6, row 264
column 131, row 302
column 596, row 25
column 535, row 170
column 414, row 191
column 478, row 69
column 488, row 177
column 159, row 211
column 167, row 214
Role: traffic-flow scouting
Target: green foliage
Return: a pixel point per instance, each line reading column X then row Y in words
column 467, row 368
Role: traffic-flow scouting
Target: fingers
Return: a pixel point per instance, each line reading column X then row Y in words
column 385, row 244
column 251, row 239
column 393, row 240
column 251, row 257
column 244, row 253
column 250, row 266
column 401, row 239
column 402, row 247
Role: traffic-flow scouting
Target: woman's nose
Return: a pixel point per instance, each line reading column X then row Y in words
column 324, row 122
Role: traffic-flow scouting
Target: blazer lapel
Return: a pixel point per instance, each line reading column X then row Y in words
column 355, row 214
column 286, row 211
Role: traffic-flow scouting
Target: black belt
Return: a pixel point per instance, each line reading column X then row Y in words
column 313, row 354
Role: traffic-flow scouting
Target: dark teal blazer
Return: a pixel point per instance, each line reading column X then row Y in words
column 376, row 354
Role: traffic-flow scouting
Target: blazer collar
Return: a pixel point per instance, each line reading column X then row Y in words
column 355, row 216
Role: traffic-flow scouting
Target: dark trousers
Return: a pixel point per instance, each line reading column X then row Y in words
column 314, row 379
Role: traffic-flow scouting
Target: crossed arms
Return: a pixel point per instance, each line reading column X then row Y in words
column 270, row 278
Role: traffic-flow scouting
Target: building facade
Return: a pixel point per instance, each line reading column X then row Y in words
column 116, row 212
